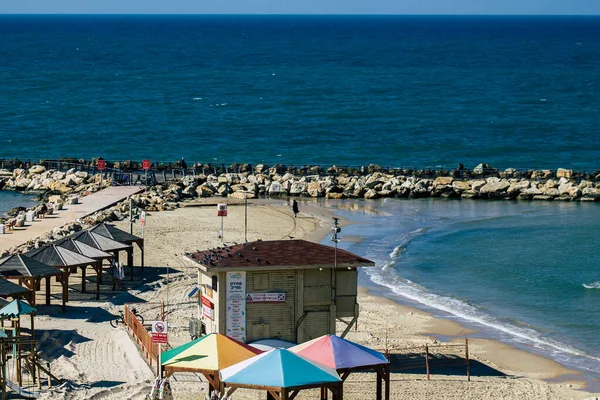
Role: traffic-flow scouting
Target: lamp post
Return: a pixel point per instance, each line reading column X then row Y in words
column 335, row 229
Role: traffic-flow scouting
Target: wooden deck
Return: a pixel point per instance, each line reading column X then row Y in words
column 87, row 205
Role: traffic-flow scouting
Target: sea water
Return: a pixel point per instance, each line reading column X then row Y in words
column 10, row 199
column 401, row 91
column 527, row 273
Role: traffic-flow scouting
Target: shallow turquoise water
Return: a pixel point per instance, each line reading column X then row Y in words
column 524, row 273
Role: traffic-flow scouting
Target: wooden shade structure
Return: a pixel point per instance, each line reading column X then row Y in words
column 9, row 289
column 30, row 272
column 346, row 357
column 13, row 311
column 87, row 251
column 282, row 374
column 66, row 260
column 106, row 244
column 116, row 234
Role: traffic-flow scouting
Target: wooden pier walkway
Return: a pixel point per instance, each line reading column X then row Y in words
column 87, row 205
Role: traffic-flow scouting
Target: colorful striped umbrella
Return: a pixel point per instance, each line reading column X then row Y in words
column 338, row 353
column 212, row 352
column 278, row 368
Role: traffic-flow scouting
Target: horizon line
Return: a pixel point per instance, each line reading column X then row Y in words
column 303, row 14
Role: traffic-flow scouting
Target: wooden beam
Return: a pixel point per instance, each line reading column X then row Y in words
column 293, row 395
column 345, row 375
column 350, row 325
column 275, row 395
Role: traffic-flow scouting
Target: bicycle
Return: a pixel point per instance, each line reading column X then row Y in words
column 120, row 319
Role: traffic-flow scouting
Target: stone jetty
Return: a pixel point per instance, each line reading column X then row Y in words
column 374, row 182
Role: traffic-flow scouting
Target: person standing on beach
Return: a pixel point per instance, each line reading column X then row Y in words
column 295, row 208
column 183, row 164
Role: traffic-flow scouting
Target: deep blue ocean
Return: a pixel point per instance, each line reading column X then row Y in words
column 397, row 91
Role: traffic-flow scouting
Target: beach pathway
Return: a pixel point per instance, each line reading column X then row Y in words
column 87, row 205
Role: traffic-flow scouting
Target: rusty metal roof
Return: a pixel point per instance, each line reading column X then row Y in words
column 277, row 254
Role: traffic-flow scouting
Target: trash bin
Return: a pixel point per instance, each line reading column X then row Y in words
column 2, row 229
column 29, row 216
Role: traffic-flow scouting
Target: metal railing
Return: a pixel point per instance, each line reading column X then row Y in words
column 132, row 171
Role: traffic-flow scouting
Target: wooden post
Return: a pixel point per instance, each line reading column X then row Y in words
column 48, row 290
column 388, row 378
column 66, row 285
column 427, row 360
column 130, row 260
column 162, row 310
column 98, row 278
column 32, row 316
column 100, row 271
column 379, row 388
column 324, row 393
column 142, row 249
column 83, row 273
column 3, row 354
column 468, row 362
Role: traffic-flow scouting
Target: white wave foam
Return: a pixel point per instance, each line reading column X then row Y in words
column 401, row 248
column 461, row 309
column 593, row 285
column 197, row 98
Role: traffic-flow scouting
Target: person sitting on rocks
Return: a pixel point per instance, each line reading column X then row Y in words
column 42, row 210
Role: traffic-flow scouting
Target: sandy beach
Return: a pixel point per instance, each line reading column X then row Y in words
column 101, row 362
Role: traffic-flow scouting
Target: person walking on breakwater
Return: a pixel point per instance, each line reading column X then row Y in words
column 295, row 208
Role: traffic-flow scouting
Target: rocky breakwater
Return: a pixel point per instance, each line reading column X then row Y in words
column 54, row 188
column 37, row 178
column 559, row 185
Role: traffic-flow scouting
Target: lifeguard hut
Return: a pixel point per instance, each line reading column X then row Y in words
column 293, row 290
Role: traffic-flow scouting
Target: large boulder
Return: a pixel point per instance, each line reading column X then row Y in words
column 315, row 189
column 37, row 169
column 298, row 188
column 189, row 192
column 59, row 187
column 276, row 188
column 21, row 183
